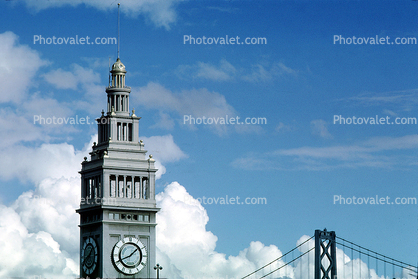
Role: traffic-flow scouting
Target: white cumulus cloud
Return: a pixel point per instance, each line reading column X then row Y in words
column 71, row 79
column 161, row 13
column 194, row 102
column 35, row 254
column 40, row 236
column 18, row 65
column 182, row 239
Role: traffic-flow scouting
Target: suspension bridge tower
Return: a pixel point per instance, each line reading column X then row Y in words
column 325, row 255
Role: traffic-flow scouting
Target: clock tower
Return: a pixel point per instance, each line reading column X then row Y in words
column 118, row 207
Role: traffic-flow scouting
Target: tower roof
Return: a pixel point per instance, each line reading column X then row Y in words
column 118, row 67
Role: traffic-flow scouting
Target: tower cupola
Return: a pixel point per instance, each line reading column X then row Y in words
column 117, row 91
column 118, row 69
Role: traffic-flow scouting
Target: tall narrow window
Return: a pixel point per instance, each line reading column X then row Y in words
column 112, row 181
column 86, row 188
column 137, row 187
column 90, row 190
column 121, row 189
column 128, row 187
column 124, row 132
column 94, row 188
column 130, row 131
column 98, row 187
column 119, row 130
column 145, row 189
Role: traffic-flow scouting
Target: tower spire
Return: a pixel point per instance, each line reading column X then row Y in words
column 118, row 29
column 109, row 71
column 117, row 91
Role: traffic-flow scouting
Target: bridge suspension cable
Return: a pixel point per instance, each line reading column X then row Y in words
column 374, row 255
column 288, row 263
column 352, row 264
column 279, row 258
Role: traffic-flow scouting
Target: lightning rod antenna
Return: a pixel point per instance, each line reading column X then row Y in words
column 118, row 29
column 109, row 71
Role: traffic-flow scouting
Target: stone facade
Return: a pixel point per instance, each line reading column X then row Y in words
column 118, row 207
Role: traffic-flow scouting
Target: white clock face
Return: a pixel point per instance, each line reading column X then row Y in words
column 129, row 255
column 89, row 255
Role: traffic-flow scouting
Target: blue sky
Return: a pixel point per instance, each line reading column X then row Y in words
column 298, row 81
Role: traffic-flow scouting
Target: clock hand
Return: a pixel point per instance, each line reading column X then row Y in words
column 85, row 257
column 130, row 254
